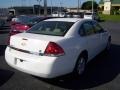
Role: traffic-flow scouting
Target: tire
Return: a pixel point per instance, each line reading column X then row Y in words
column 108, row 45
column 80, row 66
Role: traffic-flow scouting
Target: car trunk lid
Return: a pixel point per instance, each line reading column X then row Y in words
column 32, row 42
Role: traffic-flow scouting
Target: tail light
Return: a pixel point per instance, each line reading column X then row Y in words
column 21, row 27
column 53, row 49
column 18, row 28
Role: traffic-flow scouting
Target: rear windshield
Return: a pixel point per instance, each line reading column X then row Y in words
column 24, row 19
column 54, row 28
column 34, row 20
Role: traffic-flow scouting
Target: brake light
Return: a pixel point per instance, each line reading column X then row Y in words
column 53, row 49
column 21, row 27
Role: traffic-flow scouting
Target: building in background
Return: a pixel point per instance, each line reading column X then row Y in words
column 33, row 10
column 109, row 6
column 75, row 10
column 3, row 12
column 18, row 10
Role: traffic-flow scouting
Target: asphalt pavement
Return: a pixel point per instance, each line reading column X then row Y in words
column 103, row 73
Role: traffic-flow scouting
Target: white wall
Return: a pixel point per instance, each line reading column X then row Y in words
column 107, row 6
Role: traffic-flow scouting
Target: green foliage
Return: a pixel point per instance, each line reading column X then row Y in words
column 115, row 12
column 88, row 5
column 114, row 18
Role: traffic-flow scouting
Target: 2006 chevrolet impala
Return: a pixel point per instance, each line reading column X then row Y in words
column 57, row 46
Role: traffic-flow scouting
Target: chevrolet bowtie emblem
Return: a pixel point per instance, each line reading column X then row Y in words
column 23, row 43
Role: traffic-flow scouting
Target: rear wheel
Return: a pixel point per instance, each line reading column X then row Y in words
column 80, row 66
column 108, row 45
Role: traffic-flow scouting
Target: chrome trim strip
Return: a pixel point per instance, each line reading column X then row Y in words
column 34, row 53
column 25, row 51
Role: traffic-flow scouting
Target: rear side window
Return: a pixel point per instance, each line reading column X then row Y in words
column 98, row 28
column 88, row 28
column 55, row 28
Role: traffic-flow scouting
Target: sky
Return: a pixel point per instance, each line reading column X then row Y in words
column 64, row 3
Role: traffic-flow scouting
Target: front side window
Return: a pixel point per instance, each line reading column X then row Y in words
column 55, row 28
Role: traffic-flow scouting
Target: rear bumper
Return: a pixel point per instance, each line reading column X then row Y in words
column 42, row 66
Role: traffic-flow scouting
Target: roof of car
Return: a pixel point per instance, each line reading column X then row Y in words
column 65, row 19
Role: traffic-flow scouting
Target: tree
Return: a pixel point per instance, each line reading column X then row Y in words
column 88, row 5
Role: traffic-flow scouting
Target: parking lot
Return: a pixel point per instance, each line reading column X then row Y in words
column 103, row 73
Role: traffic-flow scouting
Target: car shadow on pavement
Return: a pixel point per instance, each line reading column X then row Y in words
column 5, row 75
column 2, row 49
column 103, row 69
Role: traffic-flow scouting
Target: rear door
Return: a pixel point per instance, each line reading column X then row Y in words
column 103, row 35
column 92, row 40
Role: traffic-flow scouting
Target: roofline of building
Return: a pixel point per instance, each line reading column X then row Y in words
column 111, row 4
column 115, row 4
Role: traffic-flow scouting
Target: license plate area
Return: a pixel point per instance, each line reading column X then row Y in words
column 18, row 61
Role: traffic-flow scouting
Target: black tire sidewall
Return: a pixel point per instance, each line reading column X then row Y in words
column 76, row 66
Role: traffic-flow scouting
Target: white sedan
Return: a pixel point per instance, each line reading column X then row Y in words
column 57, row 46
column 90, row 15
